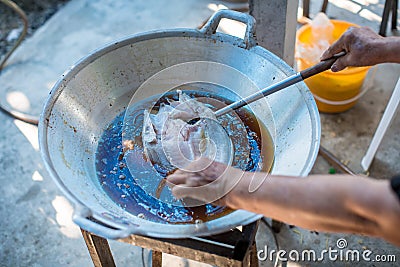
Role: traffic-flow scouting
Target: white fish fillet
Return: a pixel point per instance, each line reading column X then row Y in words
column 170, row 142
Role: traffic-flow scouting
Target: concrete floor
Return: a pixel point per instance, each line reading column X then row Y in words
column 35, row 218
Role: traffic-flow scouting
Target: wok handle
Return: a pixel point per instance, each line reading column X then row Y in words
column 81, row 218
column 321, row 66
column 212, row 24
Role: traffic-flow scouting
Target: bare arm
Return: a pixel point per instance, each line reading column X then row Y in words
column 364, row 47
column 339, row 203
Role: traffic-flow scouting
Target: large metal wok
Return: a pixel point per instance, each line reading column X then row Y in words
column 100, row 86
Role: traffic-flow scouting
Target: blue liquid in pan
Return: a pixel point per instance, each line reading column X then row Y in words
column 119, row 184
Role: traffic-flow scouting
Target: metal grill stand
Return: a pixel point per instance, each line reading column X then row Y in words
column 232, row 248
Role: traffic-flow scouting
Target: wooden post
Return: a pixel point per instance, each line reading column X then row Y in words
column 395, row 6
column 306, row 8
column 156, row 258
column 99, row 250
column 276, row 26
column 385, row 16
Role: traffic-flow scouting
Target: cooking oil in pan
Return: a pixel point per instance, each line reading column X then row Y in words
column 121, row 183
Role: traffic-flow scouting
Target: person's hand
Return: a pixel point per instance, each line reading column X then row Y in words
column 363, row 47
column 204, row 180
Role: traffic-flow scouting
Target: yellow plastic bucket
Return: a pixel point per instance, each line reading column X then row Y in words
column 333, row 92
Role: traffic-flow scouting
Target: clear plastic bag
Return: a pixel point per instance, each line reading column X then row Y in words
column 321, row 39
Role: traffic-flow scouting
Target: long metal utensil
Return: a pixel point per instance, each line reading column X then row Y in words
column 298, row 77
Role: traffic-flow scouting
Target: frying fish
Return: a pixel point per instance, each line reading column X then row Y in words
column 171, row 142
